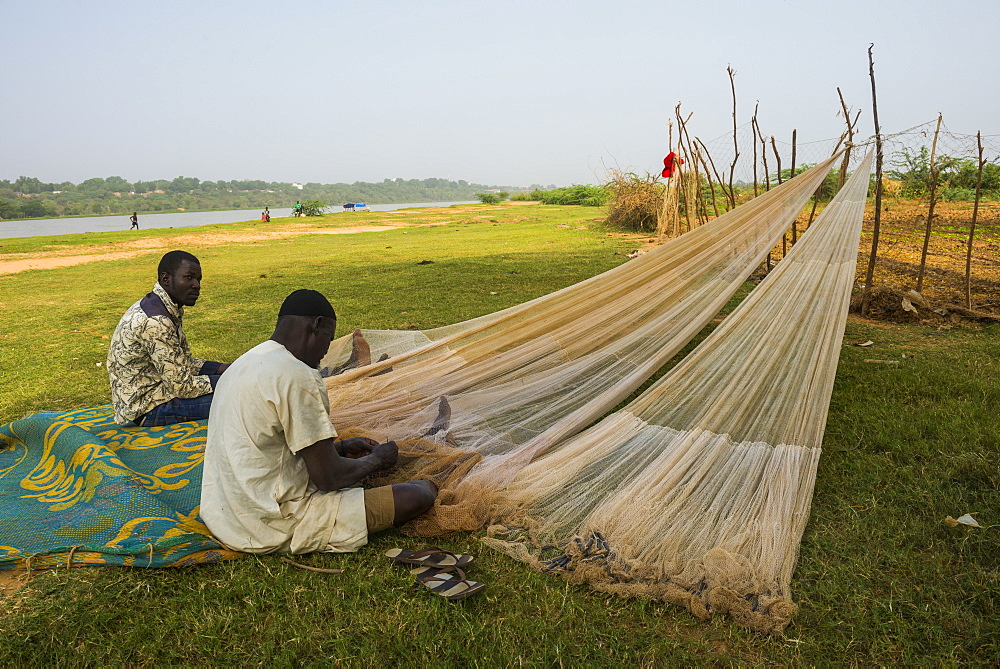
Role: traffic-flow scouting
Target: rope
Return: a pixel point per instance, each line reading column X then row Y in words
column 308, row 568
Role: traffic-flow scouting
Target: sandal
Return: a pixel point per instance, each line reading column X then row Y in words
column 450, row 584
column 424, row 573
column 432, row 556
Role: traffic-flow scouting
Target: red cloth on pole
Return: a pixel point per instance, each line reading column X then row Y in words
column 668, row 164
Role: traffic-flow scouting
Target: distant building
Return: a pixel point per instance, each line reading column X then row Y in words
column 299, row 186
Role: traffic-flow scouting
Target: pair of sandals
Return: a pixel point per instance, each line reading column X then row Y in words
column 440, row 570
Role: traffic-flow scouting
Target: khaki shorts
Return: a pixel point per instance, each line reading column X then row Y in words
column 380, row 509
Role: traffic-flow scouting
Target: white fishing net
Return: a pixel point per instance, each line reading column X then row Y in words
column 696, row 492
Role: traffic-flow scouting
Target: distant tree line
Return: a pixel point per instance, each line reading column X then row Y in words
column 910, row 175
column 28, row 197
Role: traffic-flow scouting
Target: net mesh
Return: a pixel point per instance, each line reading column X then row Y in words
column 496, row 411
column 524, row 378
column 699, row 490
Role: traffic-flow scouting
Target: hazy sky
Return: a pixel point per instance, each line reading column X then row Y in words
column 509, row 93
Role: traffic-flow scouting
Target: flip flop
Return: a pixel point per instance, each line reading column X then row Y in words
column 451, row 584
column 432, row 556
column 424, row 573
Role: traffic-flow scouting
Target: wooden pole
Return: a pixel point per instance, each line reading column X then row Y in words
column 870, row 273
column 791, row 175
column 763, row 155
column 930, row 207
column 711, row 185
column 722, row 183
column 777, row 157
column 665, row 210
column 701, row 211
column 681, row 171
column 972, row 225
column 753, row 131
column 850, row 141
column 736, row 146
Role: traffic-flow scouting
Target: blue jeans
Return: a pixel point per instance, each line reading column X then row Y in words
column 179, row 409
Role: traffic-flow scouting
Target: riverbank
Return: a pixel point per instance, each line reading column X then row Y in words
column 21, row 255
column 45, row 227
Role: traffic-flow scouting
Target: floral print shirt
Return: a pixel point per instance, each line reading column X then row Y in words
column 149, row 361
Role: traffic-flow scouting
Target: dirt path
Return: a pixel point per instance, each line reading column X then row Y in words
column 12, row 263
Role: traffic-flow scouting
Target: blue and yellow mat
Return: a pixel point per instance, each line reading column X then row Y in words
column 76, row 489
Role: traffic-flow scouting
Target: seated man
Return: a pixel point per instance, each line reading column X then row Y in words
column 154, row 379
column 276, row 480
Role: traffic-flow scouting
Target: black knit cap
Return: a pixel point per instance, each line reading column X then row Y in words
column 305, row 302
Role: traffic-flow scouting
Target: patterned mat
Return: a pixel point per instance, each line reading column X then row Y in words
column 76, row 489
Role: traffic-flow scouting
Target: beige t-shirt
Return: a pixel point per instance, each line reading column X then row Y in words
column 256, row 495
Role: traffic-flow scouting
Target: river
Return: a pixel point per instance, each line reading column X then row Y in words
column 43, row 227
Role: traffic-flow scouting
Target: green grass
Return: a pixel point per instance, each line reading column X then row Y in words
column 881, row 578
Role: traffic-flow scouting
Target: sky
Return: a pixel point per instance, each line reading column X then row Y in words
column 502, row 93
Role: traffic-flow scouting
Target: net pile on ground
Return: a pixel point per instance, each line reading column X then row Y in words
column 79, row 490
column 698, row 491
column 490, row 394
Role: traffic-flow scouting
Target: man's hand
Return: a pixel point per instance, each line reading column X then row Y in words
column 357, row 447
column 334, row 465
column 388, row 453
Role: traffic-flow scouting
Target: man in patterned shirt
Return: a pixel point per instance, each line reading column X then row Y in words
column 154, row 379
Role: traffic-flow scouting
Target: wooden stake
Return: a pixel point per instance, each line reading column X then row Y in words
column 972, row 225
column 791, row 175
column 870, row 273
column 753, row 131
column 722, row 183
column 777, row 157
column 701, row 211
column 850, row 140
column 763, row 152
column 711, row 184
column 736, row 146
column 930, row 207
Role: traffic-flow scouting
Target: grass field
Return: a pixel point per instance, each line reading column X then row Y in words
column 882, row 579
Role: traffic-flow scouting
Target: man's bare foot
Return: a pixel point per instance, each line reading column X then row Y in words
column 384, row 356
column 443, row 419
column 361, row 354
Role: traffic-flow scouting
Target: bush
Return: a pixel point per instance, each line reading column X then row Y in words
column 527, row 196
column 489, row 198
column 314, row 208
column 588, row 196
column 959, row 194
column 635, row 201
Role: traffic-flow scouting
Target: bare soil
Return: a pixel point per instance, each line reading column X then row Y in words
column 12, row 263
column 901, row 239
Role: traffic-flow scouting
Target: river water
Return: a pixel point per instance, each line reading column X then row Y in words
column 43, row 227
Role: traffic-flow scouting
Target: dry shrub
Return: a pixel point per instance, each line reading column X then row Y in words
column 635, row 201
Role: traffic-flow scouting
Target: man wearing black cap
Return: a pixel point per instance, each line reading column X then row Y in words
column 276, row 480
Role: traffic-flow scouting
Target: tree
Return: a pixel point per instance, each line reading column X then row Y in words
column 95, row 185
column 313, row 208
column 488, row 198
column 29, row 185
column 10, row 209
column 183, row 185
column 117, row 185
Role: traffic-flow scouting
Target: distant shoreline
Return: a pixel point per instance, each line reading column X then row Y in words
column 126, row 214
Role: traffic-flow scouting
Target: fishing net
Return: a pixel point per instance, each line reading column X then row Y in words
column 509, row 385
column 698, row 491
